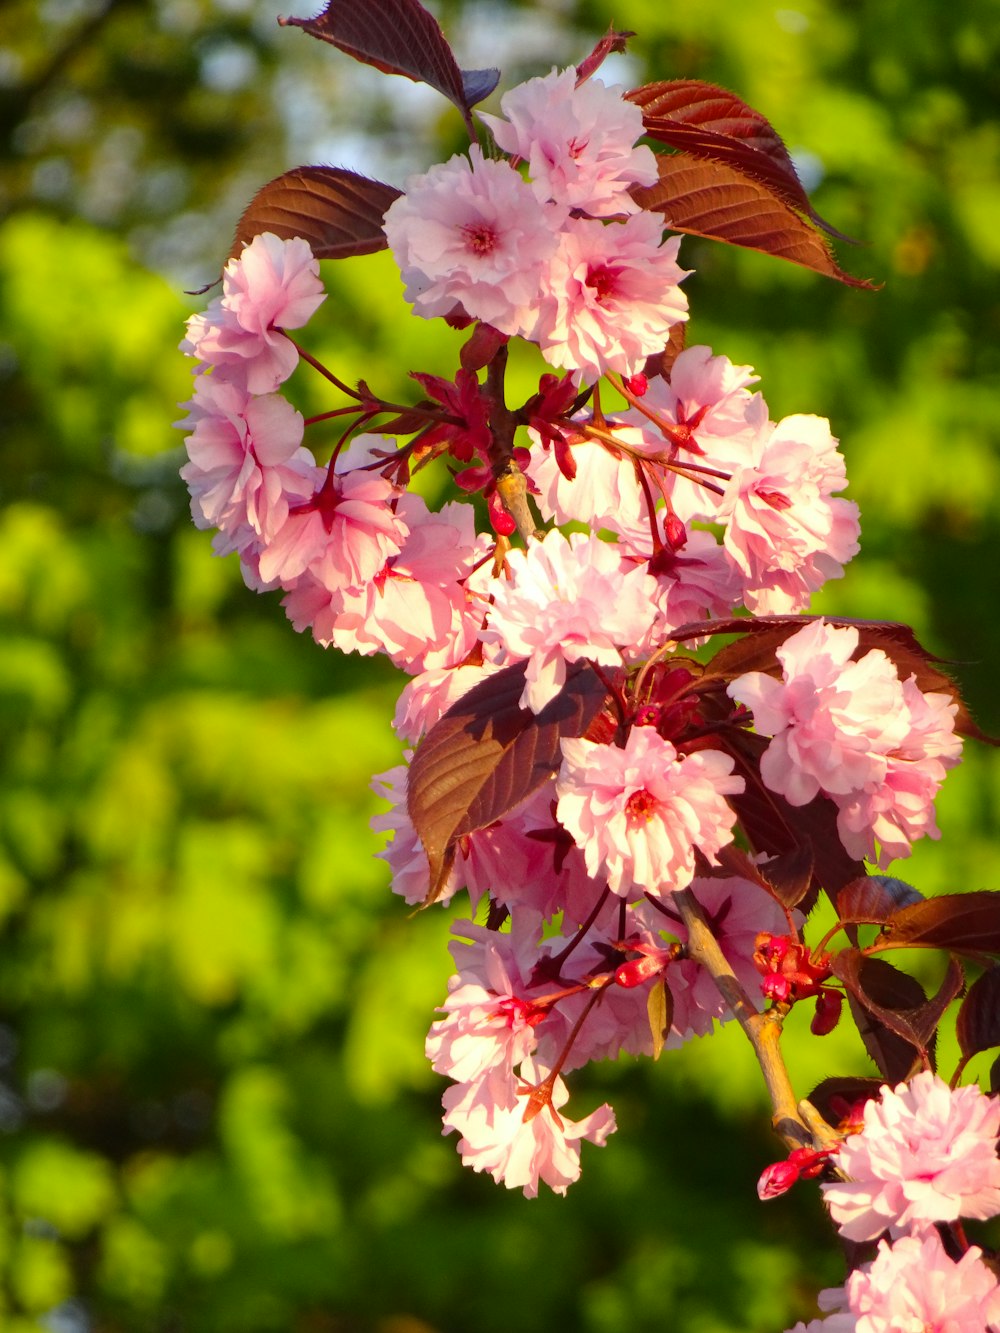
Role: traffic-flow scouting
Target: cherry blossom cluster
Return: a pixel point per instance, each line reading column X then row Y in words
column 925, row 1157
column 564, row 258
column 658, row 504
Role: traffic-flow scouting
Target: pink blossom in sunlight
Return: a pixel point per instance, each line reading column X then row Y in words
column 578, row 142
column 640, row 813
column 565, row 599
column 342, row 535
column 852, row 730
column 833, row 720
column 927, row 1153
column 246, row 464
column 496, row 1137
column 470, row 234
column 913, row 1286
column 610, row 295
column 272, row 284
column 785, row 531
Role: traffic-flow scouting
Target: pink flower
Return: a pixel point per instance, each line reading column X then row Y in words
column 341, row 536
column 489, row 1021
column 640, row 813
column 566, row 599
column 578, row 142
column 927, row 1153
column 850, row 729
column 246, row 465
column 913, row 1286
column 610, row 295
column 833, row 720
column 273, row 284
column 470, row 234
column 496, row 1138
column 784, row 532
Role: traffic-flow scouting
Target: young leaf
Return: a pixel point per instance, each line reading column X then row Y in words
column 967, row 923
column 660, row 1011
column 978, row 1023
column 337, row 211
column 399, row 37
column 835, row 1097
column 486, row 754
column 882, row 1001
column 703, row 197
column 707, row 121
column 873, row 899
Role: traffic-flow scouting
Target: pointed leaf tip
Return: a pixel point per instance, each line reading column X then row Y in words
column 337, row 211
column 398, row 37
column 487, row 754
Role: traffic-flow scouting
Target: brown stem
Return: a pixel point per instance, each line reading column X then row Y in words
column 762, row 1029
column 511, row 485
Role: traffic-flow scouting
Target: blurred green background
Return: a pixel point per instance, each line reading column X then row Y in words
column 215, row 1115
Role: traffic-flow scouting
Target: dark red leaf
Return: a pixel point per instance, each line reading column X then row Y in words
column 703, row 197
column 486, row 754
column 835, row 1096
column 337, row 211
column 788, row 877
column 774, row 827
column 978, row 1023
column 967, row 923
column 399, row 37
column 662, row 363
column 707, row 121
column 873, row 899
column 883, row 1001
column 407, row 423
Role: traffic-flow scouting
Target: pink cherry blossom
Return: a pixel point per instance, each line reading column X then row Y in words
column 497, row 1138
column 927, row 1153
column 833, row 720
column 470, row 235
column 714, row 421
column 565, row 599
column 785, row 531
column 428, row 695
column 246, row 465
column 273, row 284
column 610, row 295
column 341, row 536
column 913, row 1286
column 640, row 813
column 852, row 730
column 578, row 142
column 489, row 1022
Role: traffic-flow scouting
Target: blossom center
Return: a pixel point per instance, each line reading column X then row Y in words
column 603, row 281
column 480, row 238
column 640, row 807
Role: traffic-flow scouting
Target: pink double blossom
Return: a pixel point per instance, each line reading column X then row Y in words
column 566, row 599
column 927, row 1153
column 496, row 1137
column 578, row 142
column 878, row 746
column 786, row 530
column 273, row 284
column 610, row 295
column 913, row 1286
column 469, row 235
column 640, row 813
column 247, row 466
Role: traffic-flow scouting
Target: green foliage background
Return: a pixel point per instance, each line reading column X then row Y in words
column 214, row 1110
